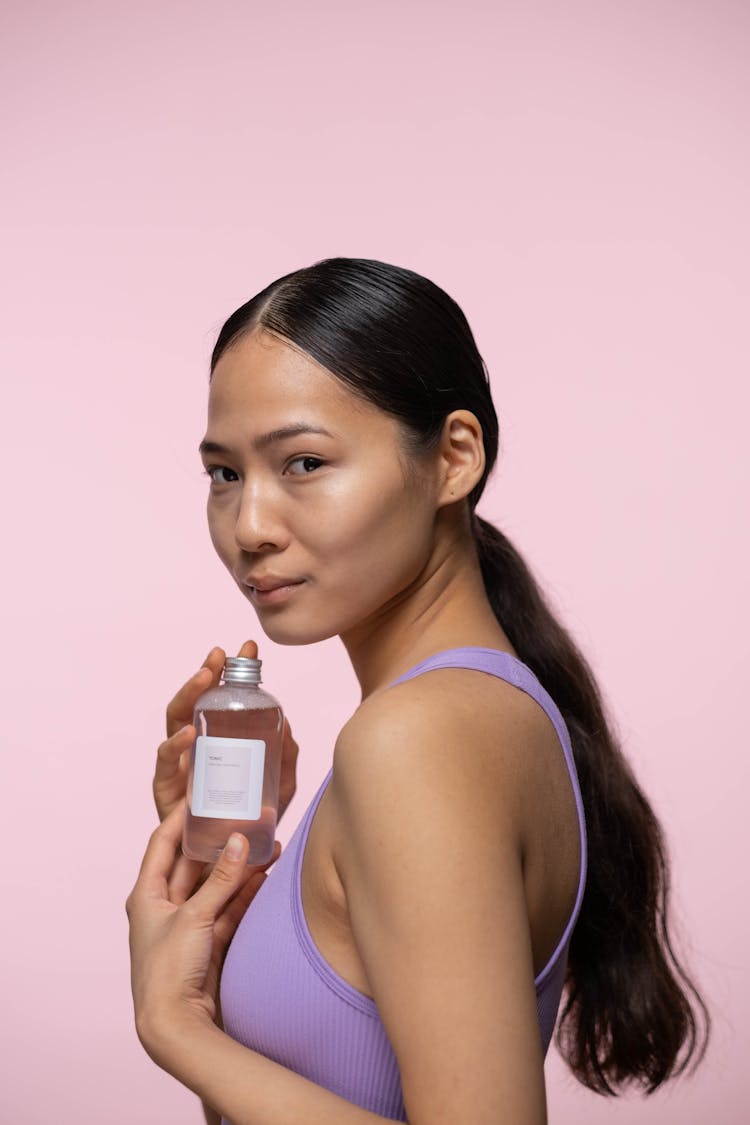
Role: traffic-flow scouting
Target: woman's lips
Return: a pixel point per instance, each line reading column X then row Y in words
column 275, row 596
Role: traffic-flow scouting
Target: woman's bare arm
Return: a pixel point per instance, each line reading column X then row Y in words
column 212, row 1117
column 247, row 1087
column 428, row 841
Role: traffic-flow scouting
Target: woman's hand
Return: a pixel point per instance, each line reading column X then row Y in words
column 179, row 935
column 173, row 755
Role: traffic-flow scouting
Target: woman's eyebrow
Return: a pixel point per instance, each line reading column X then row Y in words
column 260, row 442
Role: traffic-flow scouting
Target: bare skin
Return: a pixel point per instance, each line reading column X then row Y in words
column 380, row 553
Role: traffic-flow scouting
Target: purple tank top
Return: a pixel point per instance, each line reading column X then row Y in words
column 281, row 998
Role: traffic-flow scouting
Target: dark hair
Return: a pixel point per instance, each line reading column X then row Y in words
column 631, row 1013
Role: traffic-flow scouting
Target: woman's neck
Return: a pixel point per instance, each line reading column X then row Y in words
column 445, row 607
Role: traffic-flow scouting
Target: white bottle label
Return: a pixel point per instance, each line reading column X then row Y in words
column 228, row 777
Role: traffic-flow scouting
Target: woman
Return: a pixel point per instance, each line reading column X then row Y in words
column 412, row 966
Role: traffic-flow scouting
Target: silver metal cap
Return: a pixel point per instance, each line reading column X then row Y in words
column 241, row 670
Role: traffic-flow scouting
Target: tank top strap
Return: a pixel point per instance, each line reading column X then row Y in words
column 473, row 656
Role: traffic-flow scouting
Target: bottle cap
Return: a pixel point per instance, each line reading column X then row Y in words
column 241, row 670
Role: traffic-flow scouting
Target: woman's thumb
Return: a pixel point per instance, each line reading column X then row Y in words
column 234, row 849
column 231, row 865
column 227, row 876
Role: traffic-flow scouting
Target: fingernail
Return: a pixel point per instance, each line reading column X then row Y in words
column 233, row 848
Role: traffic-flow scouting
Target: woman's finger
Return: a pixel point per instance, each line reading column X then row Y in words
column 228, row 875
column 227, row 922
column 186, row 876
column 180, row 707
column 159, row 857
column 173, row 755
column 233, row 913
column 170, row 751
column 235, row 909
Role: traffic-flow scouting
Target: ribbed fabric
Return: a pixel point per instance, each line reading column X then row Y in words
column 281, row 998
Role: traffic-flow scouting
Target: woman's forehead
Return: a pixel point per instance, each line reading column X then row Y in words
column 262, row 364
column 269, row 386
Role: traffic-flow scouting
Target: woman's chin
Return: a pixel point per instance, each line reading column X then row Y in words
column 288, row 635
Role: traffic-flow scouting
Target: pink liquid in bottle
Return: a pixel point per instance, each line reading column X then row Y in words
column 235, row 765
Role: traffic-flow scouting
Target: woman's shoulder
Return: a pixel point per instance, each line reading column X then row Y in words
column 451, row 728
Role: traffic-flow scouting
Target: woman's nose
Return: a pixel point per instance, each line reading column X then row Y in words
column 258, row 523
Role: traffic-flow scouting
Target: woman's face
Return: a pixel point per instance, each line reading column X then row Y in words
column 329, row 516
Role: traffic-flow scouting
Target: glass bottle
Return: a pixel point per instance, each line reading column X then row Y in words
column 235, row 765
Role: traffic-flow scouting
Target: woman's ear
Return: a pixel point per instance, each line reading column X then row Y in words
column 461, row 456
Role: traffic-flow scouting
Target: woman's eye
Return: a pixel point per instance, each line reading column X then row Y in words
column 211, row 469
column 309, row 465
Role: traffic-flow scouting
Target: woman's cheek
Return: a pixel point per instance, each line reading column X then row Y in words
column 221, row 532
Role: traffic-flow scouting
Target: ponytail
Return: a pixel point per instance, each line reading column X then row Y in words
column 627, row 1016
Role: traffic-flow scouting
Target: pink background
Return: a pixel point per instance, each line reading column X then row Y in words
column 576, row 176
